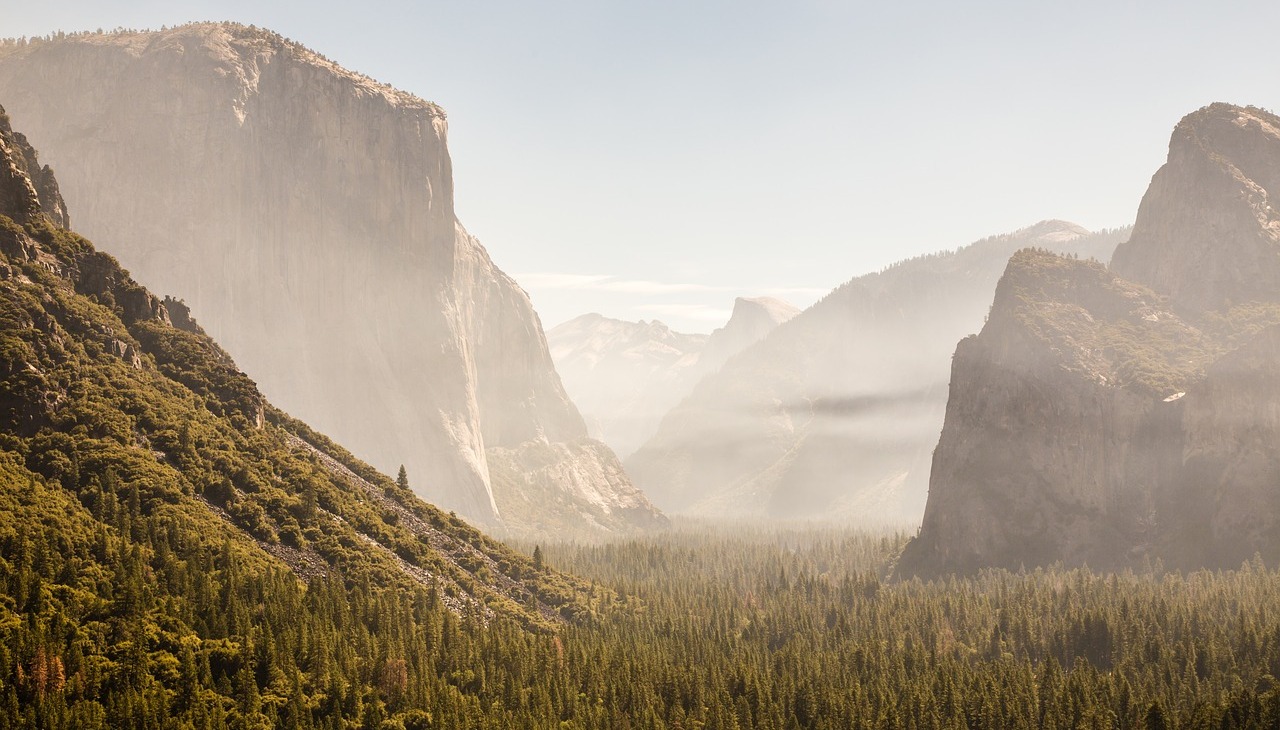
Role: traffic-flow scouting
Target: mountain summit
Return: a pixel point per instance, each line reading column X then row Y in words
column 1208, row 229
column 307, row 213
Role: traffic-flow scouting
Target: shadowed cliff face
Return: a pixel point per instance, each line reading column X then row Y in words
column 834, row 414
column 1094, row 420
column 307, row 213
column 1056, row 424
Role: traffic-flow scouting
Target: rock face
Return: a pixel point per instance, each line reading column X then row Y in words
column 625, row 376
column 558, row 489
column 106, row 392
column 752, row 320
column 1224, row 248
column 28, row 188
column 307, row 213
column 1096, row 421
column 834, row 413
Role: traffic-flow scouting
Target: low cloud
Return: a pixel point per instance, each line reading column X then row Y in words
column 688, row 311
column 607, row 283
column 610, row 283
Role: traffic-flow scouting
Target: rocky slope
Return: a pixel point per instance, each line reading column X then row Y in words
column 1096, row 421
column 307, row 213
column 626, row 375
column 834, row 414
column 113, row 406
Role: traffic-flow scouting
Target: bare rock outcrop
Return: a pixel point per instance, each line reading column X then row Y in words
column 1095, row 420
column 307, row 213
column 1059, row 423
column 567, row 489
column 752, row 320
column 1208, row 229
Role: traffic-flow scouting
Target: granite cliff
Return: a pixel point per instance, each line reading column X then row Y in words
column 307, row 213
column 1111, row 416
column 1206, row 233
column 625, row 376
column 115, row 405
column 834, row 413
column 752, row 320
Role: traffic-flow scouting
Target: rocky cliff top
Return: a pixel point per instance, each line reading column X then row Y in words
column 1096, row 324
column 1207, row 233
column 754, row 312
column 752, row 319
column 238, row 48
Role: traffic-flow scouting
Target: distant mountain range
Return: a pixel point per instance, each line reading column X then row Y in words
column 306, row 212
column 625, row 376
column 833, row 415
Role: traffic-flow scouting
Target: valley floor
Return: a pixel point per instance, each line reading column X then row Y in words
column 698, row 627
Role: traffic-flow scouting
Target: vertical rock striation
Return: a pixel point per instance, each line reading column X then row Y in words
column 307, row 213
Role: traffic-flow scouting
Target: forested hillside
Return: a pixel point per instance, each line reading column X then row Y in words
column 175, row 552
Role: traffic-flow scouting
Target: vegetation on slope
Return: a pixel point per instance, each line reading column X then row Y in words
column 1118, row 332
column 176, row 553
column 797, row 628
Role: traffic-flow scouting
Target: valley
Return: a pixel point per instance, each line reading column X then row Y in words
column 1027, row 480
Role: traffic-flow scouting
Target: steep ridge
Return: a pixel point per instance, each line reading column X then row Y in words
column 139, row 418
column 834, row 414
column 1096, row 421
column 625, row 376
column 307, row 213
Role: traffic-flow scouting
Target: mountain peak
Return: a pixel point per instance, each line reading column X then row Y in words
column 1206, row 233
column 1054, row 231
column 26, row 188
column 238, row 52
column 774, row 310
column 753, row 318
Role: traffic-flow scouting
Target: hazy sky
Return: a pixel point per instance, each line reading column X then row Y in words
column 656, row 159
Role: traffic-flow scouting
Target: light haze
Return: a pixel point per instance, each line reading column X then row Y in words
column 655, row 160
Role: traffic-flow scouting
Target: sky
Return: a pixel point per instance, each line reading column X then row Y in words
column 654, row 160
